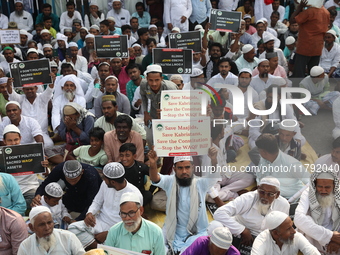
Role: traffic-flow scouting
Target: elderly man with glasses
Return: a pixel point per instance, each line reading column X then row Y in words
column 134, row 233
column 244, row 215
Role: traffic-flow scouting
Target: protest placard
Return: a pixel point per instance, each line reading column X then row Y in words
column 31, row 73
column 22, row 159
column 109, row 250
column 111, row 46
column 10, row 36
column 187, row 137
column 225, row 21
column 173, row 61
column 181, row 104
column 187, row 40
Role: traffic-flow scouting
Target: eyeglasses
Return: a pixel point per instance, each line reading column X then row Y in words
column 269, row 194
column 131, row 214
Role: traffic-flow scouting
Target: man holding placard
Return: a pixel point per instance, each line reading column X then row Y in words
column 8, row 53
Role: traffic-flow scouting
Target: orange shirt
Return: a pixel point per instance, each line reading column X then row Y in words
column 313, row 24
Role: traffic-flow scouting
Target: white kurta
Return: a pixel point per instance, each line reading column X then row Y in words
column 121, row 18
column 330, row 58
column 255, row 98
column 264, row 244
column 105, row 206
column 256, row 38
column 262, row 10
column 243, row 213
column 80, row 65
column 25, row 21
column 228, row 5
column 242, row 63
column 336, row 118
column 3, row 21
column 66, row 243
column 281, row 56
column 58, row 211
column 93, row 20
column 174, row 10
column 66, row 21
column 260, row 85
column 217, row 80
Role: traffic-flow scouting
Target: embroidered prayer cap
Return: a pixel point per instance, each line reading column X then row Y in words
column 270, row 55
column 23, row 32
column 13, row 102
column 94, row 27
column 182, row 158
column 84, row 28
column 288, row 125
column 274, row 219
column 72, row 44
column 30, row 50
column 111, row 18
column 290, row 40
column 129, row 197
column 267, row 37
column 271, row 181
column 37, row 210
column 67, row 29
column 316, row 71
column 247, row 16
column 176, row 77
column 196, row 72
column 262, row 60
column 325, row 176
column 111, row 77
column 152, row 25
column 245, row 70
column 331, row 31
column 221, row 237
column 19, row 1
column 45, row 31
column 176, row 29
column 246, row 48
column 7, row 48
column 12, row 25
column 212, row 225
column 153, row 69
column 259, row 21
column 89, row 36
column 113, row 170
column 10, row 128
column 136, row 45
column 108, row 98
column 53, row 64
column 53, row 189
column 47, row 45
column 72, row 169
column 76, row 21
column 68, row 110
column 3, row 80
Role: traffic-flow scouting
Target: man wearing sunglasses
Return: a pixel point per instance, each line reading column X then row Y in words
column 245, row 214
column 134, row 233
column 104, row 210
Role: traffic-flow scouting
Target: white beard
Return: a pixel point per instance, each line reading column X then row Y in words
column 135, row 225
column 262, row 208
column 69, row 95
column 47, row 242
column 325, row 201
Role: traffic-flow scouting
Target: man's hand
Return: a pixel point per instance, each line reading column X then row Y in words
column 303, row 4
column 94, row 14
column 147, row 118
column 152, row 155
column 138, row 103
column 36, row 201
column 246, row 237
column 170, row 26
column 70, row 123
column 158, row 113
column 183, row 19
column 207, row 27
column 101, row 237
column 90, row 220
column 212, row 153
column 333, row 247
column 68, row 220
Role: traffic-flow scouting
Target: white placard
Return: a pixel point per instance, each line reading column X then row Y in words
column 116, row 251
column 8, row 36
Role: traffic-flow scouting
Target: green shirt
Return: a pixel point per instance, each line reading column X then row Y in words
column 82, row 154
column 3, row 102
column 148, row 238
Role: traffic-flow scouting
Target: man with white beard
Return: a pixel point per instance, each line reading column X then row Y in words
column 134, row 233
column 46, row 239
column 280, row 238
column 318, row 212
column 23, row 18
column 245, row 214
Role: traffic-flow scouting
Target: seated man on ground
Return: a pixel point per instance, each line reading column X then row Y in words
column 281, row 238
column 46, row 239
column 245, row 214
column 104, row 210
column 134, row 233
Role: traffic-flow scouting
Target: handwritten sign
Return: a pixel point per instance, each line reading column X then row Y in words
column 111, row 46
column 187, row 137
column 188, row 40
column 22, row 159
column 181, row 104
column 116, row 251
column 173, row 61
column 8, row 36
column 225, row 21
column 31, row 73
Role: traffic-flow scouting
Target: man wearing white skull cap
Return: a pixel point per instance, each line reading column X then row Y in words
column 104, row 210
column 318, row 212
column 245, row 214
column 23, row 18
column 248, row 59
column 46, row 239
column 186, row 217
column 281, row 238
column 318, row 85
column 330, row 56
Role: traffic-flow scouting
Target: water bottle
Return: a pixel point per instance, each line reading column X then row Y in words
column 96, row 90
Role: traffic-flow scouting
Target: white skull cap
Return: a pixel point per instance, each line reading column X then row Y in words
column 274, row 219
column 182, row 158
column 270, row 180
column 53, row 189
column 113, row 170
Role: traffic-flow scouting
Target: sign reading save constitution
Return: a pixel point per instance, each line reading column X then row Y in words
column 111, row 46
column 173, row 61
column 22, row 159
column 31, row 73
column 225, row 21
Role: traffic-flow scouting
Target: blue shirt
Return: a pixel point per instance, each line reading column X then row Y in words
column 143, row 21
column 200, row 10
column 11, row 196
